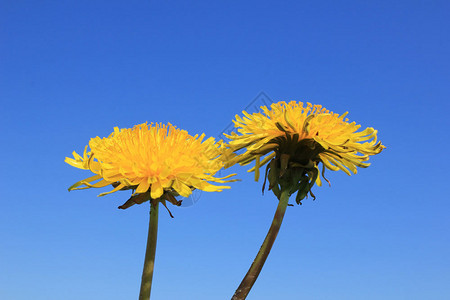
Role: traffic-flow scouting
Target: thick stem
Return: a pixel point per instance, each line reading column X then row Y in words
column 256, row 267
column 149, row 262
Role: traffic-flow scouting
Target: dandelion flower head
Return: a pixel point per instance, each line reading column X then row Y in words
column 152, row 159
column 295, row 137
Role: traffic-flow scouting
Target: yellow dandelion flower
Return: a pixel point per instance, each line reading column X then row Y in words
column 158, row 162
column 292, row 139
column 151, row 158
column 299, row 137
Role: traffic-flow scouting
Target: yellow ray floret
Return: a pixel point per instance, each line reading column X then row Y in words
column 341, row 146
column 153, row 158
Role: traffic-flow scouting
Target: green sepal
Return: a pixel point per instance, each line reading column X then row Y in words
column 302, row 191
column 136, row 199
column 284, row 161
column 276, row 191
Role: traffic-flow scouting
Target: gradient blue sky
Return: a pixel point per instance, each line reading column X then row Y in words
column 72, row 70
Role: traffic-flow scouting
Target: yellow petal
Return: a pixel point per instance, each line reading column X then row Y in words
column 156, row 190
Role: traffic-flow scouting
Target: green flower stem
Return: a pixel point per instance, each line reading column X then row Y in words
column 256, row 267
column 149, row 262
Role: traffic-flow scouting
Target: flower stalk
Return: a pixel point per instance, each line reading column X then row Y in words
column 257, row 265
column 149, row 261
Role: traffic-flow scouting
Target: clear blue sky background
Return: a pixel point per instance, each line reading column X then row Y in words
column 72, row 70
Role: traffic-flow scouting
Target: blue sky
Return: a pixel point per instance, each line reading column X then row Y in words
column 72, row 70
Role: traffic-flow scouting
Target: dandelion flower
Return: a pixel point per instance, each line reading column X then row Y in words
column 293, row 139
column 153, row 158
column 296, row 139
column 158, row 162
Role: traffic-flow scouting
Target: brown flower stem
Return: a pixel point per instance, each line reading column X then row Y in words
column 149, row 261
column 257, row 265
